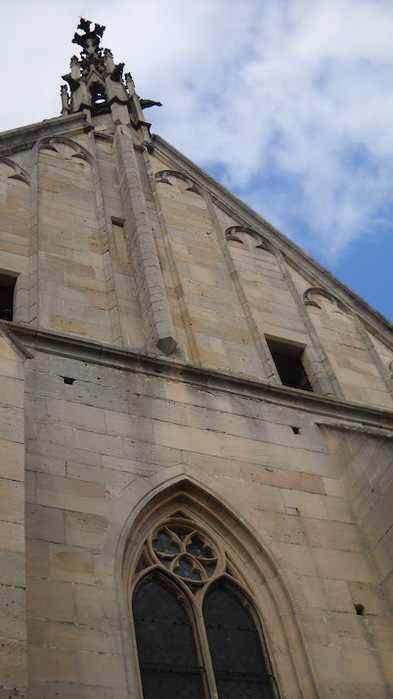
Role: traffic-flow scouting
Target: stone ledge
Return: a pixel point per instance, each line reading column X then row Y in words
column 141, row 362
column 26, row 137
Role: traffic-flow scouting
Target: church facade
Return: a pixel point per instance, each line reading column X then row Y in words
column 196, row 473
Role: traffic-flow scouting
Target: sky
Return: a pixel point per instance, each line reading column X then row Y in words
column 288, row 103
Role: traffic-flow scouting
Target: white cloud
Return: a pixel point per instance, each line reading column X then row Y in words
column 308, row 97
column 294, row 91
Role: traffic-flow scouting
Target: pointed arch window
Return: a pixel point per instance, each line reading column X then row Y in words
column 196, row 629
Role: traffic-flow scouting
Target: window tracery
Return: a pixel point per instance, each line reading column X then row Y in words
column 196, row 628
column 183, row 551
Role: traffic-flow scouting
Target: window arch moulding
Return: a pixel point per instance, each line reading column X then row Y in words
column 236, row 233
column 186, row 547
column 314, row 296
column 191, row 186
column 75, row 150
column 13, row 171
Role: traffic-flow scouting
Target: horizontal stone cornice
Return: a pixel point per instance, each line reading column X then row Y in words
column 77, row 348
column 25, row 137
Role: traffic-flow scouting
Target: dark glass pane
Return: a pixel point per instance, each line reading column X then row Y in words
column 209, row 569
column 141, row 565
column 166, row 648
column 196, row 547
column 169, row 685
column 187, row 570
column 162, row 543
column 239, row 664
column 181, row 533
column 246, row 689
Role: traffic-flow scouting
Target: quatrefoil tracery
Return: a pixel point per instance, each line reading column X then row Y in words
column 184, row 551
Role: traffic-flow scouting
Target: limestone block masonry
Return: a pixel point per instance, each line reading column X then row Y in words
column 171, row 358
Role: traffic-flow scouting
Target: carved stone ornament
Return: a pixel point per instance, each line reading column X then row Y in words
column 95, row 81
column 234, row 233
column 192, row 186
column 313, row 296
column 90, row 40
column 184, row 551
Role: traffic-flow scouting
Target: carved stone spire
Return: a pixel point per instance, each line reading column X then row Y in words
column 95, row 81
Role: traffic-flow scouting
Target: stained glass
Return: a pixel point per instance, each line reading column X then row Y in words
column 166, row 623
column 166, row 647
column 197, row 547
column 185, row 552
column 235, row 648
column 181, row 533
column 163, row 543
column 186, row 569
column 140, row 565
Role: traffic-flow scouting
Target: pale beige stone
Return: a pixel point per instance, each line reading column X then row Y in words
column 52, row 664
column 71, row 564
column 138, row 369
column 13, row 664
column 12, row 613
column 13, row 457
column 50, row 600
column 70, row 494
column 12, row 501
column 12, row 536
column 362, row 665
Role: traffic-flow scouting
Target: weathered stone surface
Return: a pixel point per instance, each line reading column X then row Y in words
column 138, row 375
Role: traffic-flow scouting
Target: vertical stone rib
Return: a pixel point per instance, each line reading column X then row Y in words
column 104, row 224
column 174, row 268
column 34, row 257
column 259, row 340
column 383, row 372
column 322, row 370
column 141, row 247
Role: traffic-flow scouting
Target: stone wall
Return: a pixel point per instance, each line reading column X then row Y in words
column 13, row 653
column 103, row 441
column 138, row 376
column 133, row 250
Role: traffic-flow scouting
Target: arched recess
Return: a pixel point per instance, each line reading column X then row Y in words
column 225, row 559
column 318, row 296
column 350, row 351
column 15, row 171
column 72, row 243
column 213, row 320
column 54, row 145
column 189, row 185
column 15, row 224
column 240, row 234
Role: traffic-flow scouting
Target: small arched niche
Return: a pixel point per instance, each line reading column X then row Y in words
column 183, row 182
column 66, row 149
column 248, row 237
column 324, row 300
column 9, row 170
column 206, row 605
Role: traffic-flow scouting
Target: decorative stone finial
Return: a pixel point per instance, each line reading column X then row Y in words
column 90, row 40
column 95, row 82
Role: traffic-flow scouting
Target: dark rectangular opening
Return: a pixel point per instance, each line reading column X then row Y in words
column 68, row 379
column 7, row 287
column 288, row 361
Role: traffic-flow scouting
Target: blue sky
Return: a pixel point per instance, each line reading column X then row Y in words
column 289, row 104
